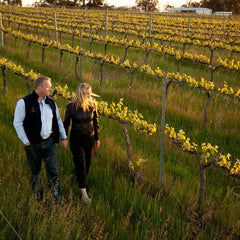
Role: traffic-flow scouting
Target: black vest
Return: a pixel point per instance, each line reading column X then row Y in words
column 32, row 123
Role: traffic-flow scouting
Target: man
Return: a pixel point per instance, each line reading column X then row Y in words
column 38, row 125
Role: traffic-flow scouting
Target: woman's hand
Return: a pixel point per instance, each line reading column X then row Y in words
column 64, row 143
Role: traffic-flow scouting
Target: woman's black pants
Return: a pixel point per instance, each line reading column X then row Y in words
column 82, row 151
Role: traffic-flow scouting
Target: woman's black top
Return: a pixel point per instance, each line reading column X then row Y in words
column 85, row 124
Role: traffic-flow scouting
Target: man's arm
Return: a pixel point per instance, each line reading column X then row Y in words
column 19, row 117
column 61, row 129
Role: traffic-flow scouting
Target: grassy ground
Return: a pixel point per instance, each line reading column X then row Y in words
column 122, row 208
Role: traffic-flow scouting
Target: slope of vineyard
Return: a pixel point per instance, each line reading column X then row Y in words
column 124, row 206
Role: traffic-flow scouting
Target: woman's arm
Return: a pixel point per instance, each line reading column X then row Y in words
column 67, row 118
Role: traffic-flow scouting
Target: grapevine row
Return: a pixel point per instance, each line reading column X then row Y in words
column 191, row 33
column 207, row 155
column 147, row 46
column 179, row 78
column 197, row 40
column 138, row 23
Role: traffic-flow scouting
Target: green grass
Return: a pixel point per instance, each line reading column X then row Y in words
column 122, row 207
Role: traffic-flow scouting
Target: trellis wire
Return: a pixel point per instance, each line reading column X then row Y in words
column 8, row 222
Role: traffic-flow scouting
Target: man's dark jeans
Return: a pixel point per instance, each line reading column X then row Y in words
column 47, row 151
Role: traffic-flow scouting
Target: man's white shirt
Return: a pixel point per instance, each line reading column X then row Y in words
column 46, row 118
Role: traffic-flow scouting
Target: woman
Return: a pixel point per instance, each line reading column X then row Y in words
column 84, row 136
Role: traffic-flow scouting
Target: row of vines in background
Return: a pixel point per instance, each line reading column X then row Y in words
column 207, row 155
column 147, row 47
column 198, row 40
column 143, row 32
column 138, row 24
column 229, row 64
column 182, row 79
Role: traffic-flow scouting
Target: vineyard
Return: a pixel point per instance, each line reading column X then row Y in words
column 168, row 96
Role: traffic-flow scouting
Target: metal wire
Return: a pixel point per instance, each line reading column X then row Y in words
column 10, row 225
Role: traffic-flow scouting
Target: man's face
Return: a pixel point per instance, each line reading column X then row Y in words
column 45, row 88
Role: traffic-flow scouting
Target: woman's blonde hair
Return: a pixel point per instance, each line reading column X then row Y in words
column 80, row 99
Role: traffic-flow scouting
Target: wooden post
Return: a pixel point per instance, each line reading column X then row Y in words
column 101, row 73
column 55, row 26
column 223, row 28
column 162, row 129
column 145, row 38
column 76, row 64
column 150, row 28
column 188, row 27
column 106, row 23
column 84, row 17
column 80, row 58
column 131, row 82
column 15, row 41
column 4, row 78
column 129, row 150
column 29, row 45
column 28, row 85
column 1, row 33
column 202, row 181
column 206, row 107
column 61, row 57
column 43, row 50
column 146, row 55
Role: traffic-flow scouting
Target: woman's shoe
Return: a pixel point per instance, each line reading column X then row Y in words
column 86, row 200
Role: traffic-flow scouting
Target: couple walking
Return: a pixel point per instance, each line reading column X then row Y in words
column 39, row 127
